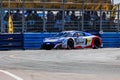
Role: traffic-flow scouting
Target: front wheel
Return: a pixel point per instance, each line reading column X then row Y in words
column 70, row 44
column 96, row 44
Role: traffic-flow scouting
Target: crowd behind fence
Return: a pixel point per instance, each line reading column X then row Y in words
column 35, row 20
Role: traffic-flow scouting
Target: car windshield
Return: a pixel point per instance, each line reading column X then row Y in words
column 63, row 34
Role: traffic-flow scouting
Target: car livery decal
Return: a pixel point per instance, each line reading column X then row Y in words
column 79, row 41
column 88, row 40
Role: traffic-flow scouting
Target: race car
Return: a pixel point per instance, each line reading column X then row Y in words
column 72, row 40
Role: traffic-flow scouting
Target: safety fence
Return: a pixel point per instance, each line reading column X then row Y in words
column 59, row 15
column 34, row 40
column 37, row 26
column 56, row 26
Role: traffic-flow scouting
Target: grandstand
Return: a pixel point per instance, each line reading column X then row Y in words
column 58, row 15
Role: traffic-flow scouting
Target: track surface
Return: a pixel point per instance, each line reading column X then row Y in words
column 79, row 64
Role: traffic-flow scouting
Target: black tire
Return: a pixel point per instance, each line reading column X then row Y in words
column 47, row 47
column 96, row 44
column 70, row 44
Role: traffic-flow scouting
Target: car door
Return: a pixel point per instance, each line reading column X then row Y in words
column 79, row 39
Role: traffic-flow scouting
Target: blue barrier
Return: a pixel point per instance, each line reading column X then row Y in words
column 11, row 41
column 34, row 40
column 111, row 39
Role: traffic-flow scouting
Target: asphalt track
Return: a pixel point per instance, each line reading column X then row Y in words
column 78, row 64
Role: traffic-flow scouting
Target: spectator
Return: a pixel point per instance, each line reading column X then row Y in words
column 17, row 19
column 34, row 17
column 104, row 16
column 87, row 18
column 58, row 22
column 96, row 15
column 38, row 20
column 6, row 21
column 30, row 19
column 17, row 16
column 94, row 19
column 73, row 18
column 50, row 18
column 67, row 18
column 92, row 16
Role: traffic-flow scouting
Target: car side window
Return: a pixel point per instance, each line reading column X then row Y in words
column 78, row 34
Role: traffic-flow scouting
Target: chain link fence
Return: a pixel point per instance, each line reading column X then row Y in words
column 43, row 18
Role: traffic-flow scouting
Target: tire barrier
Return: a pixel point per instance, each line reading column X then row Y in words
column 11, row 41
column 34, row 40
column 111, row 39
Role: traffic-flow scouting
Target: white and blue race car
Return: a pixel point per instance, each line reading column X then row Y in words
column 72, row 40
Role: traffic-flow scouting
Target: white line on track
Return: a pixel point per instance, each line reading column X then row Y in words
column 11, row 75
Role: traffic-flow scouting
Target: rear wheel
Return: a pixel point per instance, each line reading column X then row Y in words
column 96, row 44
column 70, row 44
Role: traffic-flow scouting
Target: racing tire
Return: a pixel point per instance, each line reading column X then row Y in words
column 70, row 44
column 47, row 47
column 96, row 44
